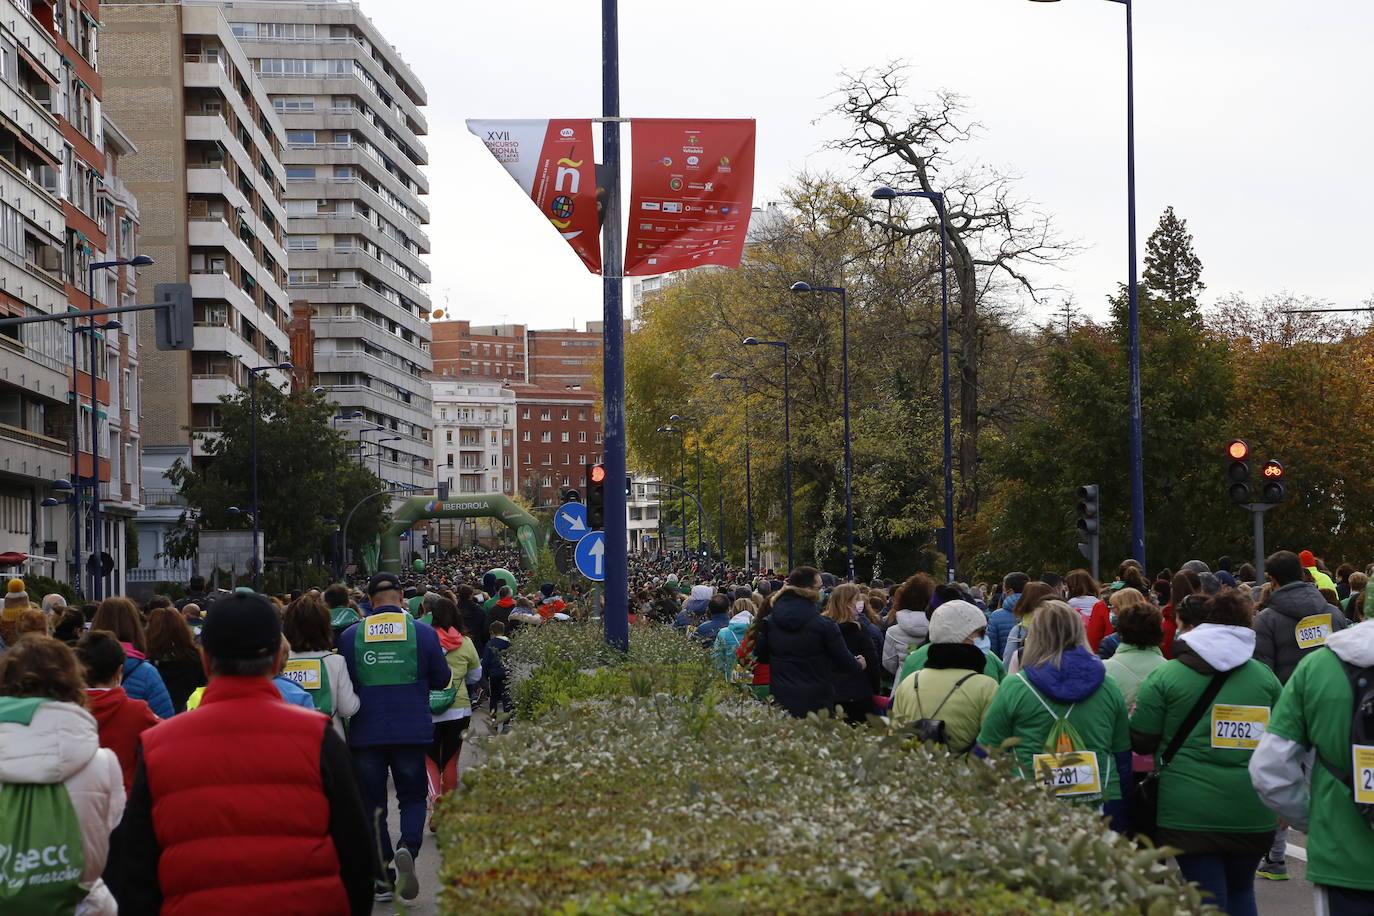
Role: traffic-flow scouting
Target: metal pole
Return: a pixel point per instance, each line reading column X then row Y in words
column 1257, row 512
column 76, row 465
column 97, row 576
column 682, row 477
column 949, row 434
column 616, row 617
column 848, row 456
column 720, row 510
column 1133, row 317
column 787, row 444
column 700, row 549
column 253, row 397
column 748, row 499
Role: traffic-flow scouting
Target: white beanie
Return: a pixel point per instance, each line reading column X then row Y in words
column 955, row 621
column 702, row 593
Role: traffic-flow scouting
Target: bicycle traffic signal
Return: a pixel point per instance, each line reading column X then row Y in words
column 596, row 497
column 1238, row 471
column 1274, row 490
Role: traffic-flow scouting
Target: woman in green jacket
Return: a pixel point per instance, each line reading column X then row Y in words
column 1070, row 719
column 1141, row 628
column 1207, row 805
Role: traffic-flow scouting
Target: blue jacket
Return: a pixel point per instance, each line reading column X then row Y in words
column 1000, row 624
column 142, row 682
column 493, row 665
column 396, row 713
column 292, row 692
column 708, row 630
column 805, row 651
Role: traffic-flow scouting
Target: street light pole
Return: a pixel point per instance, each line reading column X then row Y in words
column 253, row 399
column 678, row 418
column 748, row 475
column 1133, row 306
column 938, row 199
column 786, row 431
column 801, row 287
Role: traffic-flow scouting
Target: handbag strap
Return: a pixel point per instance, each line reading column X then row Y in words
column 916, row 686
column 1191, row 719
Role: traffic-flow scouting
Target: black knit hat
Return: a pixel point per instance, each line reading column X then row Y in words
column 242, row 626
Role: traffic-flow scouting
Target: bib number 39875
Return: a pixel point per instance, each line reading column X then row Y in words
column 1239, row 727
column 1312, row 631
column 1362, row 765
column 1067, row 775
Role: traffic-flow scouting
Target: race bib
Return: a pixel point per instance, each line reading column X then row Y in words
column 1362, row 766
column 1068, row 775
column 386, row 627
column 304, row 671
column 1239, row 727
column 1312, row 632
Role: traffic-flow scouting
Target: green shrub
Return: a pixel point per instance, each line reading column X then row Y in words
column 38, row 586
column 719, row 805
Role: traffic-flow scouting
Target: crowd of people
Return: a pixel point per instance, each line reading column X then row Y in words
column 1208, row 709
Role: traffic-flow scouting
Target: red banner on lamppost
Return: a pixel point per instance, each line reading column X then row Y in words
column 691, row 193
column 553, row 161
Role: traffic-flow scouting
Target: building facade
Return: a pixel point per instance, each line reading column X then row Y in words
column 474, row 436
column 354, row 197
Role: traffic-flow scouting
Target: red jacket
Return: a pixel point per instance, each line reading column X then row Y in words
column 1169, row 624
column 239, row 808
column 121, row 721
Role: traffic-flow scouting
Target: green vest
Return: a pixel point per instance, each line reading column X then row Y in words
column 312, row 676
column 385, row 650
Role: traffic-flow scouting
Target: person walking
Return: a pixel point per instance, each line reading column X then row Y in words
column 803, row 650
column 1208, row 706
column 141, row 678
column 48, row 738
column 730, row 637
column 1070, row 719
column 120, row 720
column 394, row 661
column 1002, row 620
column 173, row 652
column 950, row 688
column 1084, row 597
column 1140, row 627
column 1032, row 596
column 908, row 624
column 460, row 654
column 313, row 665
column 854, row 690
column 248, row 804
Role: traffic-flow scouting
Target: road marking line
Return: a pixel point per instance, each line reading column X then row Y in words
column 1296, row 852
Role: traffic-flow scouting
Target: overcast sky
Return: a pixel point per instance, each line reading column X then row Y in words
column 1252, row 120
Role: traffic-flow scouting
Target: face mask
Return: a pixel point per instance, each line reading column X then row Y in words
column 983, row 643
column 859, row 608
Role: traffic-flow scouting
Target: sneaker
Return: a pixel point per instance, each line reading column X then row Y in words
column 1274, row 871
column 407, row 885
column 381, row 892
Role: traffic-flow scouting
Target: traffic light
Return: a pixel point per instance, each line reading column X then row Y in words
column 629, row 486
column 1238, row 471
column 596, row 497
column 571, row 495
column 1088, row 518
column 176, row 321
column 1273, row 488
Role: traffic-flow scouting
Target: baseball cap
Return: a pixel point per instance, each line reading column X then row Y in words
column 382, row 582
column 243, row 626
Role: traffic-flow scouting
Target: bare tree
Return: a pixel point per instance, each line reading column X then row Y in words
column 993, row 235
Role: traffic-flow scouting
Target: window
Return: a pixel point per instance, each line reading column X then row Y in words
column 582, row 459
column 548, row 458
column 565, row 413
column 303, row 243
column 300, row 173
column 544, row 414
column 582, row 415
column 565, row 437
column 525, row 436
column 300, row 136
column 546, row 436
column 582, row 436
column 448, row 436
column 297, row 103
column 505, row 461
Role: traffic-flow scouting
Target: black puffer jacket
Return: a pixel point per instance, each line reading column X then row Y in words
column 1276, row 627
column 805, row 652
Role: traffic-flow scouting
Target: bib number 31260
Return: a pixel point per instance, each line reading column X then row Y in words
column 1067, row 775
column 1239, row 727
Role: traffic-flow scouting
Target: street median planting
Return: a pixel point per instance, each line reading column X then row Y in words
column 673, row 792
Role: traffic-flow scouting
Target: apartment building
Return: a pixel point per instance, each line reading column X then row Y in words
column 461, row 350
column 353, row 158
column 474, row 436
column 62, row 208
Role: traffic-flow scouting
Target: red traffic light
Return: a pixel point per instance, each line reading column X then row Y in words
column 1238, row 449
column 1273, row 469
column 598, row 474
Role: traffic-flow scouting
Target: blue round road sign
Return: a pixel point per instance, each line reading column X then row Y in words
column 570, row 521
column 591, row 556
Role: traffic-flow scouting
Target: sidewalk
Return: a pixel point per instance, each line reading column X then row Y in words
column 427, row 865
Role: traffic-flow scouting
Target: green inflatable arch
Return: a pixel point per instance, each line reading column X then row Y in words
column 476, row 505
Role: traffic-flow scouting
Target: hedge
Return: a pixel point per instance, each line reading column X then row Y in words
column 707, row 802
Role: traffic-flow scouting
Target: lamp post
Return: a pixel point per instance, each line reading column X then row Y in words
column 355, row 415
column 1133, row 306
column 682, row 474
column 786, row 429
column 937, row 198
column 253, row 398
column 802, row 287
column 362, row 443
column 678, row 418
column 381, row 451
column 748, row 478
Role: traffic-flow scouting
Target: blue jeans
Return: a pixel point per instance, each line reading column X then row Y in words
column 1345, row 901
column 1230, row 880
column 406, row 763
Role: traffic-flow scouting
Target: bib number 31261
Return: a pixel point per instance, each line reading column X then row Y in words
column 1239, row 727
column 1067, row 775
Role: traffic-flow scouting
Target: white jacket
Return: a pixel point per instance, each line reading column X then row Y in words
column 911, row 631
column 1278, row 767
column 62, row 744
column 342, row 696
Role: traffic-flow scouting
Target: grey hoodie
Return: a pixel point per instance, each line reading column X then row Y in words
column 911, row 631
column 1276, row 627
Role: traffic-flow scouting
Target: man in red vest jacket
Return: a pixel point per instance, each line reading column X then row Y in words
column 246, row 804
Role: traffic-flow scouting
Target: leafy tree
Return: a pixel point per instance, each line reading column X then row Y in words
column 305, row 476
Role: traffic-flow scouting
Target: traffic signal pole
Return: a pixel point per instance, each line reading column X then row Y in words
column 1257, row 511
column 616, row 615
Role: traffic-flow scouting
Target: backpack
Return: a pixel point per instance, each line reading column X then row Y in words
column 41, row 853
column 931, row 728
column 1066, row 768
column 1359, row 778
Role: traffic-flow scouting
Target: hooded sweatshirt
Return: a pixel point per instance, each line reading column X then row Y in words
column 1028, row 703
column 1315, row 712
column 1296, row 621
column 911, row 631
column 803, row 650
column 727, row 642
column 1000, row 624
column 120, row 722
column 694, row 608
column 1207, row 805
column 143, row 682
column 59, row 742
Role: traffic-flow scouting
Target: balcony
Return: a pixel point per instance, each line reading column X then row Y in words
column 209, row 388
column 30, row 454
column 30, row 116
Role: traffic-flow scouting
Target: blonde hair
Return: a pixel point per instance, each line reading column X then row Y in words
column 839, row 607
column 743, row 606
column 1055, row 628
column 1124, row 598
